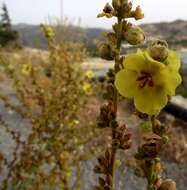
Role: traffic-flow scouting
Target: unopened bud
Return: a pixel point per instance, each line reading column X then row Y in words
column 105, row 52
column 135, row 35
column 139, row 172
column 168, row 184
column 116, row 4
column 158, row 50
column 165, row 139
column 138, row 14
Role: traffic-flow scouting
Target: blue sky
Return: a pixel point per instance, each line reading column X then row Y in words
column 38, row 11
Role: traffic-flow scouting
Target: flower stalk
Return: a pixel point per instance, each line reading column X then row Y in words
column 150, row 77
column 120, row 138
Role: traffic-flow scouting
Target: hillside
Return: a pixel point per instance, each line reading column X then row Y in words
column 175, row 32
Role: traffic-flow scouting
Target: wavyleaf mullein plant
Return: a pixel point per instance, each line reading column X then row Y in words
column 149, row 77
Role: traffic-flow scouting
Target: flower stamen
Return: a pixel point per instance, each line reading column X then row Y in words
column 145, row 78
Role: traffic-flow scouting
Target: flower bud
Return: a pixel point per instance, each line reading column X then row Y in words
column 138, row 14
column 165, row 139
column 105, row 52
column 111, row 37
column 139, row 172
column 158, row 50
column 125, row 9
column 168, row 184
column 134, row 35
column 116, row 4
column 48, row 30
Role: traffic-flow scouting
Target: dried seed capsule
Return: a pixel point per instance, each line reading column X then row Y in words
column 100, row 169
column 101, row 182
column 168, row 184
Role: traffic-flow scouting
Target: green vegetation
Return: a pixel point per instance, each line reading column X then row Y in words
column 52, row 94
column 7, row 34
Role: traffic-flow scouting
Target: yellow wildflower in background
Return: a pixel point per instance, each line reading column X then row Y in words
column 48, row 30
column 87, row 88
column 74, row 122
column 90, row 74
column 10, row 67
column 26, row 69
column 147, row 81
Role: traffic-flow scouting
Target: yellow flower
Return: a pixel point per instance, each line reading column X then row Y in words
column 26, row 69
column 48, row 30
column 11, row 67
column 148, row 81
column 74, row 122
column 89, row 74
column 87, row 88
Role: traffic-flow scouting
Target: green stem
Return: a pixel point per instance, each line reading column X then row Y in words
column 115, row 99
column 150, row 171
column 150, row 164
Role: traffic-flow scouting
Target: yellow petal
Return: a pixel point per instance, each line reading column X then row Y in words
column 173, row 61
column 168, row 80
column 153, row 65
column 150, row 101
column 135, row 62
column 126, row 83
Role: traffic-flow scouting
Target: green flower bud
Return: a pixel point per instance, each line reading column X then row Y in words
column 158, row 50
column 165, row 139
column 146, row 126
column 137, row 14
column 116, row 4
column 105, row 52
column 134, row 35
column 139, row 172
column 168, row 184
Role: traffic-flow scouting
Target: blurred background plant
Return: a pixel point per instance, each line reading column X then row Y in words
column 8, row 36
column 52, row 94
